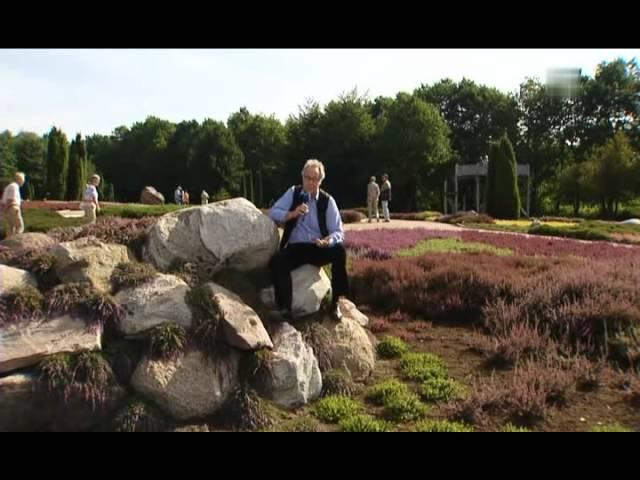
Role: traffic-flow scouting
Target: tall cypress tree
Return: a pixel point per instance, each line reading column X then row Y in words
column 77, row 175
column 7, row 156
column 504, row 195
column 57, row 164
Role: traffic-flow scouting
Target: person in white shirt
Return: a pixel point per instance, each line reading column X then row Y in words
column 373, row 194
column 90, row 203
column 204, row 197
column 11, row 203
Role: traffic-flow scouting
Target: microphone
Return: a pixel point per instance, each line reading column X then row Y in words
column 305, row 198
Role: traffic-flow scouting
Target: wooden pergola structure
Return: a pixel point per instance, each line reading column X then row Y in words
column 477, row 171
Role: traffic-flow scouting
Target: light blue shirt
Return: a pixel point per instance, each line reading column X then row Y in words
column 307, row 230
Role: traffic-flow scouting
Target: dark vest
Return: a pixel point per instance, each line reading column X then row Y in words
column 322, row 205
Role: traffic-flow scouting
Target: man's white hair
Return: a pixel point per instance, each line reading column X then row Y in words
column 20, row 176
column 314, row 163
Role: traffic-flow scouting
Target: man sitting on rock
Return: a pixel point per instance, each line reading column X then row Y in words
column 313, row 234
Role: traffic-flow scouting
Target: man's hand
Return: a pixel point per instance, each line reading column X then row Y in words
column 300, row 210
column 323, row 243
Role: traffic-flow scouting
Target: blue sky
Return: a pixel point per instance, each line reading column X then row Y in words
column 94, row 91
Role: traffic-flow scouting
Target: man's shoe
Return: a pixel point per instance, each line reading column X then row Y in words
column 281, row 315
column 336, row 313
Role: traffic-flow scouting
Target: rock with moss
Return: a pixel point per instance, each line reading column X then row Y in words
column 26, row 344
column 89, row 260
column 158, row 301
column 12, row 278
column 241, row 326
column 228, row 234
column 190, row 386
column 290, row 375
column 28, row 240
column 26, row 405
column 350, row 310
column 343, row 344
